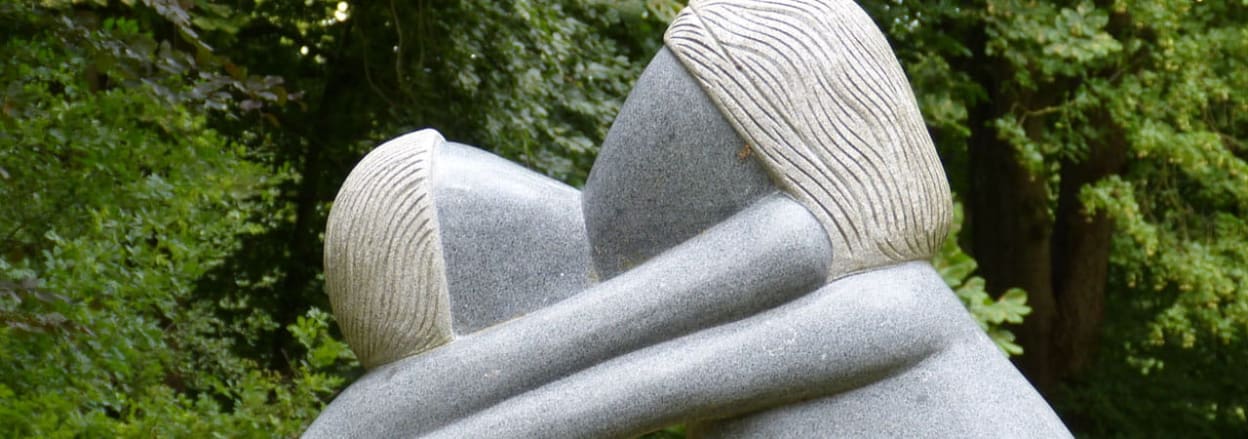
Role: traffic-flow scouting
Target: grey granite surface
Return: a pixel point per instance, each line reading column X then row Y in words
column 671, row 165
column 514, row 240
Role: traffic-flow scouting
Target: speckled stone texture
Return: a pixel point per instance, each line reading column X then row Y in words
column 514, row 240
column 670, row 166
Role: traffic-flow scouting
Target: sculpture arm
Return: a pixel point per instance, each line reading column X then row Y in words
column 757, row 259
column 853, row 332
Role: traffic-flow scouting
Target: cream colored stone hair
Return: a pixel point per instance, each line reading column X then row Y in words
column 384, row 269
column 814, row 88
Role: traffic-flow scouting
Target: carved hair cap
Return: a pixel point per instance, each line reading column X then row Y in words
column 815, row 89
column 384, row 269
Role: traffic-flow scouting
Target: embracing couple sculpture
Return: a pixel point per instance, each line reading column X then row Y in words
column 749, row 256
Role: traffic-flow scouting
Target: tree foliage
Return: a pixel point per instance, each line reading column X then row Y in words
column 119, row 197
column 992, row 313
column 1100, row 147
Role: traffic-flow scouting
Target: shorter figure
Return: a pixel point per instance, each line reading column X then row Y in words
column 513, row 241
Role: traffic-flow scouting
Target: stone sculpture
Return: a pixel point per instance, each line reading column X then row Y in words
column 748, row 256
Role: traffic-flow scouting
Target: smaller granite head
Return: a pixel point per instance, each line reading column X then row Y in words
column 421, row 222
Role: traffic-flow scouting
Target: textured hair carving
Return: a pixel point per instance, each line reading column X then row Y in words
column 384, row 269
column 814, row 87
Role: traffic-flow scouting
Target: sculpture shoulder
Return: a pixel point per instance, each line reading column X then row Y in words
column 906, row 309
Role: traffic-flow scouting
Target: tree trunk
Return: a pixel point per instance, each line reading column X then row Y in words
column 1007, row 209
column 1081, row 256
column 1061, row 262
column 303, row 261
